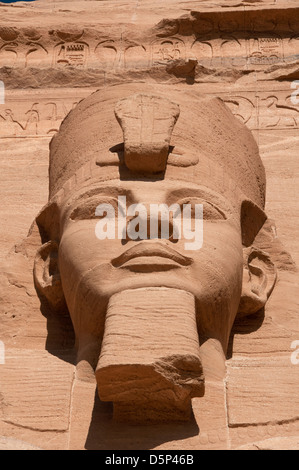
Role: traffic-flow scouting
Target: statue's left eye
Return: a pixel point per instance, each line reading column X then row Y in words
column 210, row 211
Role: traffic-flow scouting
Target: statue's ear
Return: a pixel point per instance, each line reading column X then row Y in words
column 46, row 270
column 252, row 220
column 46, row 275
column 259, row 277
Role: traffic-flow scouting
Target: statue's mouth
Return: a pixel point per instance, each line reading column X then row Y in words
column 151, row 256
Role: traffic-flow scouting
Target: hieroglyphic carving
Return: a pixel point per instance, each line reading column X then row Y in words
column 9, row 125
column 265, row 50
column 231, row 44
column 106, row 53
column 136, row 57
column 73, row 53
column 203, row 51
column 243, row 108
column 293, row 46
column 277, row 111
column 264, row 110
column 166, row 50
column 69, row 35
column 32, row 34
column 32, row 120
column 257, row 110
column 52, row 117
column 237, row 50
column 35, row 55
column 8, row 54
column 38, row 119
column 28, row 51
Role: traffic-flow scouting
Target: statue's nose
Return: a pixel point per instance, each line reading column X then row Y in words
column 152, row 224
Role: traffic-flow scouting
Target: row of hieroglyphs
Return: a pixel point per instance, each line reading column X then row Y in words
column 225, row 50
column 258, row 110
column 265, row 110
column 219, row 39
column 19, row 118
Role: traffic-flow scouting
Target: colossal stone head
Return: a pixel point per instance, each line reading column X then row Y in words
column 144, row 307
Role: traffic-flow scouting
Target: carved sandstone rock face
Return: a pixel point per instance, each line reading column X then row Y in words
column 147, row 122
column 142, row 306
column 150, row 364
column 8, row 34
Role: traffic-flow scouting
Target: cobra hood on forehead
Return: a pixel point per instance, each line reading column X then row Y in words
column 202, row 128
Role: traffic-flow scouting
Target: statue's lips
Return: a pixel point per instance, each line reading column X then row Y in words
column 151, row 253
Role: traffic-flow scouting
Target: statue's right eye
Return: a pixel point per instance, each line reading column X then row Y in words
column 89, row 209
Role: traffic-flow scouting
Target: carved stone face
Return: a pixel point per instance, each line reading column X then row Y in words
column 92, row 270
column 142, row 308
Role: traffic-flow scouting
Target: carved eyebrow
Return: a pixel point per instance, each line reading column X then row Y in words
column 186, row 192
column 108, row 191
column 86, row 208
column 209, row 197
column 93, row 194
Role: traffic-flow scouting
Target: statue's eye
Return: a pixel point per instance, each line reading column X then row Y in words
column 95, row 208
column 210, row 211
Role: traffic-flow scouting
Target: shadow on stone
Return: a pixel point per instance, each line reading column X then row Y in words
column 107, row 434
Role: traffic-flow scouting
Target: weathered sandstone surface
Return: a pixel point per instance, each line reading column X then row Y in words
column 55, row 54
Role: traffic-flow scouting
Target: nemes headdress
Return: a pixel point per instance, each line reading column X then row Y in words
column 157, row 131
